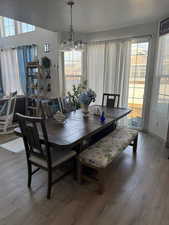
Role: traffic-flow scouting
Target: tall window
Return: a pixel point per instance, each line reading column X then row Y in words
column 72, row 69
column 8, row 27
column 163, row 70
column 25, row 27
column 138, row 69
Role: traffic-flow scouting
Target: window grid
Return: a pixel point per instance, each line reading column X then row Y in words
column 163, row 70
column 72, row 69
column 138, row 68
column 10, row 27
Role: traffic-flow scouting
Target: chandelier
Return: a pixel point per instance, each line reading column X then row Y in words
column 71, row 44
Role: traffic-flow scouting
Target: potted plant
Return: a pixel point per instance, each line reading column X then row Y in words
column 75, row 93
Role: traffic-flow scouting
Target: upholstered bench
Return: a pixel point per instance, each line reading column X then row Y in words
column 101, row 154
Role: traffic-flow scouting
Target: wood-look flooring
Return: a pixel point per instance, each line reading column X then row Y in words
column 137, row 192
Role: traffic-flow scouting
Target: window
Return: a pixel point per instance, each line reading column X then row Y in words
column 163, row 72
column 138, row 70
column 8, row 27
column 25, row 27
column 72, row 69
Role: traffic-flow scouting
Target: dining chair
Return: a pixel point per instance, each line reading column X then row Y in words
column 7, row 114
column 45, row 109
column 67, row 105
column 111, row 100
column 55, row 105
column 39, row 153
column 49, row 107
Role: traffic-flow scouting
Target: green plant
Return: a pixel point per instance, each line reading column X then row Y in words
column 76, row 91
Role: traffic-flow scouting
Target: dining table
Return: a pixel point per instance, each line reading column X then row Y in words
column 77, row 129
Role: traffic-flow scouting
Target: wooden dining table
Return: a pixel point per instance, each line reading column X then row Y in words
column 77, row 129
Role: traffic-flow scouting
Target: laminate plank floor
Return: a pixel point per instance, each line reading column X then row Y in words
column 137, row 191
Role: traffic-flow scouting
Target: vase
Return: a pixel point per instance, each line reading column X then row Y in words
column 85, row 109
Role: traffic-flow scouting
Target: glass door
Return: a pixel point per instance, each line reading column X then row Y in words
column 137, row 78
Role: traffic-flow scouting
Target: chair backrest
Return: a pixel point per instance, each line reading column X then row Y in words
column 67, row 104
column 45, row 109
column 111, row 100
column 11, row 104
column 55, row 105
column 33, row 131
column 8, row 108
column 50, row 107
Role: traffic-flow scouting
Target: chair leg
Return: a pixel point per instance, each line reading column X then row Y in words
column 29, row 174
column 75, row 168
column 101, row 179
column 49, row 183
column 135, row 144
column 79, row 168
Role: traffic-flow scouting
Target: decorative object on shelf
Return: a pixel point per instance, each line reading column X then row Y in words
column 85, row 98
column 48, row 88
column 76, row 91
column 46, row 64
column 46, row 47
column 71, row 43
column 59, row 117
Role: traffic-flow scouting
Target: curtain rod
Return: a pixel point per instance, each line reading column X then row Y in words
column 2, row 49
column 120, row 39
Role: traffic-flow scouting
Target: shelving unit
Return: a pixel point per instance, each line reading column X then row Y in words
column 34, row 88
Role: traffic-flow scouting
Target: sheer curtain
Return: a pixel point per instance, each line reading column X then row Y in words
column 10, row 72
column 95, row 68
column 61, row 74
column 108, row 67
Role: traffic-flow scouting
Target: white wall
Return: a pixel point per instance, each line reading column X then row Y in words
column 127, row 32
column 38, row 37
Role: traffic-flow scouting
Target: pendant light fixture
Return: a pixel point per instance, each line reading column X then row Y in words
column 71, row 44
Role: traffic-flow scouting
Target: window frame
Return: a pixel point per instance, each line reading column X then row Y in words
column 3, row 27
column 73, row 76
column 17, row 27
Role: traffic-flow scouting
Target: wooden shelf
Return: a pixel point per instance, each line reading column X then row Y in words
column 33, row 87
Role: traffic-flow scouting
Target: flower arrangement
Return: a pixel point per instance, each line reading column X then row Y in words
column 81, row 97
column 76, row 91
column 87, row 96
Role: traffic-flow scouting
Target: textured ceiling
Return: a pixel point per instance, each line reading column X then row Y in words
column 88, row 15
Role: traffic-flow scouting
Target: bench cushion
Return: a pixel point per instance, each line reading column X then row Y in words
column 101, row 154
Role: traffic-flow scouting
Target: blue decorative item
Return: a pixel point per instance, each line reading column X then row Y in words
column 102, row 118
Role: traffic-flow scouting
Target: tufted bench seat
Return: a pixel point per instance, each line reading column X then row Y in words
column 101, row 154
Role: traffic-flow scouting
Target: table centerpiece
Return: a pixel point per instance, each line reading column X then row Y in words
column 85, row 98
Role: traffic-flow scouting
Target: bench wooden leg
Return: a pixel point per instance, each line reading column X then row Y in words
column 79, row 168
column 135, row 144
column 101, row 181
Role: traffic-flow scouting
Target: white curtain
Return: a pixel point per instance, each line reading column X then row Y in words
column 10, row 71
column 117, row 69
column 61, row 74
column 108, row 68
column 95, row 68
